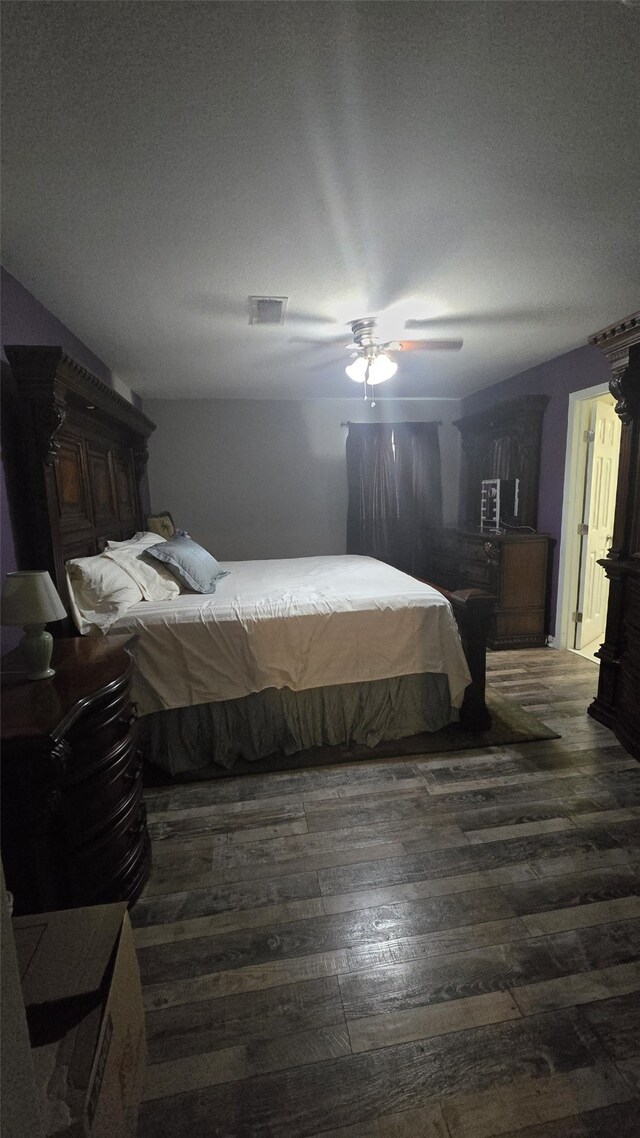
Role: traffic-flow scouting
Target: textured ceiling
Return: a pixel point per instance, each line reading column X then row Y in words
column 474, row 165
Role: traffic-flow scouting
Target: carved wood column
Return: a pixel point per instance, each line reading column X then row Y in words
column 617, row 703
column 619, row 345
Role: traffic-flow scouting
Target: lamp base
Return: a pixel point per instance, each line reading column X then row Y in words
column 37, row 648
column 46, row 675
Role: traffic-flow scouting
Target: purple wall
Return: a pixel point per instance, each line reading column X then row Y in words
column 576, row 371
column 26, row 321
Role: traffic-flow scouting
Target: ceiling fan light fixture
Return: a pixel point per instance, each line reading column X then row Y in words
column 380, row 368
column 357, row 370
column 373, row 364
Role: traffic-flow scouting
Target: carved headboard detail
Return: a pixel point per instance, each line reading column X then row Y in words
column 82, row 454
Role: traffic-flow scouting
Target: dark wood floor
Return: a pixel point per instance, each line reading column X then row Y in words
column 444, row 946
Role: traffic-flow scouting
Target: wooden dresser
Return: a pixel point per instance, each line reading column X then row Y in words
column 514, row 567
column 73, row 820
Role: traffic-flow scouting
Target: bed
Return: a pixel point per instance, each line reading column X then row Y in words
column 285, row 654
column 292, row 654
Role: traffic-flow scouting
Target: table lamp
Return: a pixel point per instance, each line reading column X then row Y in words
column 29, row 598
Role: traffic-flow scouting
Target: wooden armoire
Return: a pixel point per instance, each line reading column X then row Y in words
column 511, row 562
column 617, row 703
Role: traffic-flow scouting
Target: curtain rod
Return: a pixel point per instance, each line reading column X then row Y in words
column 438, row 422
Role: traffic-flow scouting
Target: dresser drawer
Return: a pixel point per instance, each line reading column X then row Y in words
column 99, row 730
column 98, row 706
column 97, row 860
column 478, row 575
column 90, row 805
column 473, row 550
column 88, row 765
column 129, row 878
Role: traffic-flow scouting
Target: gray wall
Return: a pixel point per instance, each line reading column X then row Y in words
column 257, row 479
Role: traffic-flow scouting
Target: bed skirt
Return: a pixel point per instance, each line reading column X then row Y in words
column 188, row 739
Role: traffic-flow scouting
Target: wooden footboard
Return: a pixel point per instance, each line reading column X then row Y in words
column 473, row 609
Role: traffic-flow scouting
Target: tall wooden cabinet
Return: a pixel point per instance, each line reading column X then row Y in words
column 502, row 441
column 617, row 703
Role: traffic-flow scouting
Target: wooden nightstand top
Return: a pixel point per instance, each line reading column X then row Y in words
column 85, row 666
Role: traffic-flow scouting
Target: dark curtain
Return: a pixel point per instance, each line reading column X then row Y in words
column 372, row 512
column 395, row 492
column 419, row 483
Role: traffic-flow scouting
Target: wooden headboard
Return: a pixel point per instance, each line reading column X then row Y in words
column 81, row 458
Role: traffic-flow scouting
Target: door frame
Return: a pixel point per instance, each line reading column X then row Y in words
column 572, row 506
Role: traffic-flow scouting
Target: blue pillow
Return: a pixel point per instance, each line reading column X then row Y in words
column 190, row 564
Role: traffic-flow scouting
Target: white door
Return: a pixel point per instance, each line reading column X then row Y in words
column 600, row 503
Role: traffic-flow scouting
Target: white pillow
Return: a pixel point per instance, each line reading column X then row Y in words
column 139, row 541
column 100, row 591
column 155, row 581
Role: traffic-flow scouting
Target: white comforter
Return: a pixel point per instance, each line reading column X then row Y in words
column 300, row 623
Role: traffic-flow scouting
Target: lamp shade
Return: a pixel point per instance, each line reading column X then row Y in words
column 29, row 596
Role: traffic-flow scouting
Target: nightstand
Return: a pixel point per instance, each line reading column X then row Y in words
column 73, row 820
column 514, row 567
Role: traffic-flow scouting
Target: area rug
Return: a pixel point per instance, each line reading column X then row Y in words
column 510, row 723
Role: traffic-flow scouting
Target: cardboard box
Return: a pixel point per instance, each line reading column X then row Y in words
column 81, row 989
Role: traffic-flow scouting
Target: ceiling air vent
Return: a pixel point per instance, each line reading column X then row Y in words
column 267, row 309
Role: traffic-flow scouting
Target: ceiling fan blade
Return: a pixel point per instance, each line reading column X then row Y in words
column 490, row 316
column 328, row 342
column 424, row 345
column 323, row 365
column 297, row 317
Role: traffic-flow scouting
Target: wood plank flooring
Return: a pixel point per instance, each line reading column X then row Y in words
column 440, row 946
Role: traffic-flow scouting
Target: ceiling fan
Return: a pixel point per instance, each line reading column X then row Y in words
column 372, row 362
